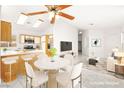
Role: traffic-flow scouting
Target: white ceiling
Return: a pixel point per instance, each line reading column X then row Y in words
column 100, row 16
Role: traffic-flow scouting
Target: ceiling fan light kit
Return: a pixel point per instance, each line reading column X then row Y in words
column 54, row 11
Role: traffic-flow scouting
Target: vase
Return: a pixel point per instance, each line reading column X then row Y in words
column 53, row 59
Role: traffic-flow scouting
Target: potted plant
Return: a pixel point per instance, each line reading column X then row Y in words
column 52, row 53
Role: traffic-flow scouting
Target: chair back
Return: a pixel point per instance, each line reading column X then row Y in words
column 29, row 70
column 27, row 57
column 10, row 60
column 70, row 58
column 76, row 71
column 42, row 56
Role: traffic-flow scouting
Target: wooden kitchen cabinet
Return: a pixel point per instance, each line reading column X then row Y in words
column 5, row 31
column 21, row 65
column 9, row 73
column 37, row 40
column 0, row 69
column 30, row 39
column 47, row 43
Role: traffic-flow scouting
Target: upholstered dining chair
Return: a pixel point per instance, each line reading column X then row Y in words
column 27, row 57
column 42, row 57
column 69, row 67
column 67, row 79
column 36, row 79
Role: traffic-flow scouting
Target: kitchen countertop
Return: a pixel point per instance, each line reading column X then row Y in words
column 121, row 64
column 15, row 53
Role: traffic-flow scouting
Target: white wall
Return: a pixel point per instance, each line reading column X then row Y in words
column 96, row 51
column 63, row 32
column 110, row 38
column 85, row 42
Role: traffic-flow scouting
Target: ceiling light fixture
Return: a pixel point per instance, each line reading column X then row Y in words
column 51, row 15
column 22, row 19
column 37, row 24
column 80, row 32
column 91, row 24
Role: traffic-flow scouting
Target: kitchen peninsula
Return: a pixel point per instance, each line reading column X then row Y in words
column 18, row 68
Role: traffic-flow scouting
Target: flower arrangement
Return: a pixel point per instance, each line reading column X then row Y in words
column 52, row 52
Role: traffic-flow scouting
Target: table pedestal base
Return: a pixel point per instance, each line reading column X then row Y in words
column 52, row 83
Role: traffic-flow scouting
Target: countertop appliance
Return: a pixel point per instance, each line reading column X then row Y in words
column 29, row 47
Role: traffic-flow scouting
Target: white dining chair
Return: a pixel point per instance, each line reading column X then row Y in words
column 67, row 79
column 27, row 57
column 69, row 67
column 42, row 56
column 36, row 79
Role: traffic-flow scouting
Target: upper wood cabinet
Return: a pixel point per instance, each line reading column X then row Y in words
column 5, row 31
column 47, row 43
column 37, row 40
column 30, row 39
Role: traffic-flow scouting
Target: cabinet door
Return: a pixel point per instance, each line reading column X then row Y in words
column 37, row 40
column 14, row 71
column 5, row 31
column 22, row 39
column 8, row 30
column 21, row 66
column 0, row 70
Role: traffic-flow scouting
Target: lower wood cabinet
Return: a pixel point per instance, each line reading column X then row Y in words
column 9, row 72
column 21, row 66
column 0, row 69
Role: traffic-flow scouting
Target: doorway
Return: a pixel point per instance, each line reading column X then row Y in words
column 80, row 43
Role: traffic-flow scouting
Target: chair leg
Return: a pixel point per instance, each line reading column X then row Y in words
column 26, row 82
column 72, row 84
column 46, row 84
column 31, row 83
column 80, row 81
column 40, row 86
column 57, row 85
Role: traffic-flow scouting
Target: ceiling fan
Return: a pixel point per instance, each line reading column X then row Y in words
column 54, row 10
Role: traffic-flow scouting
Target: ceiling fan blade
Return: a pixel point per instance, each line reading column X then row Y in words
column 66, row 15
column 61, row 7
column 48, row 6
column 53, row 19
column 36, row 13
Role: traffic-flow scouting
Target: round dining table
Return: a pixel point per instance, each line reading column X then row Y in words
column 53, row 68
